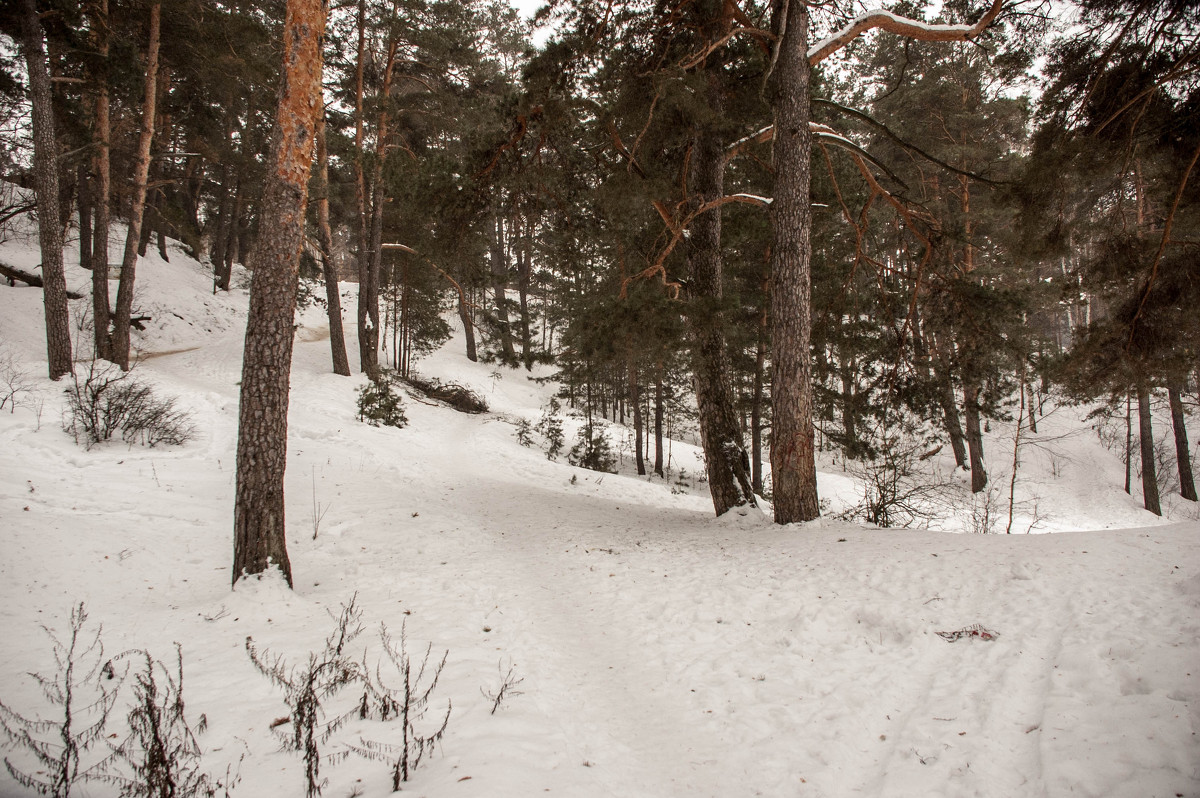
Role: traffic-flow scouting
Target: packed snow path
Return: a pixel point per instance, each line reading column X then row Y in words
column 664, row 653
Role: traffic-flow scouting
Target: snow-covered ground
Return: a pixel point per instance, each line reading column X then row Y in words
column 663, row 652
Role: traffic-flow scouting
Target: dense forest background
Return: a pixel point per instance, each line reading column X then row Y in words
column 991, row 220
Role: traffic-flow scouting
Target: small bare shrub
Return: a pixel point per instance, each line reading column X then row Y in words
column 984, row 511
column 107, row 402
column 161, row 753
column 406, row 702
column 17, row 387
column 899, row 488
column 308, row 688
column 508, row 686
column 82, row 692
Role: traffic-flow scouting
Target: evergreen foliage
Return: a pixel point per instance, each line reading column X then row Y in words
column 380, row 404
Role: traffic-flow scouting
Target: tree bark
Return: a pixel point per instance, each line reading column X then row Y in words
column 464, row 315
column 725, row 455
column 974, row 438
column 101, row 306
column 793, row 450
column 658, row 419
column 524, row 279
column 1150, row 498
column 84, row 202
column 1183, row 452
column 259, row 524
column 945, row 398
column 124, row 307
column 45, row 174
column 333, row 297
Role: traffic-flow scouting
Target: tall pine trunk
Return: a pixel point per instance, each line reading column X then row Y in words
column 259, row 524
column 45, row 175
column 1183, row 452
column 724, row 452
column 368, row 291
column 141, row 172
column 658, row 419
column 101, row 305
column 524, row 278
column 636, row 406
column 333, row 297
column 793, row 450
column 1150, row 496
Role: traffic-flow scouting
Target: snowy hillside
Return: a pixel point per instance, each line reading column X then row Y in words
column 661, row 653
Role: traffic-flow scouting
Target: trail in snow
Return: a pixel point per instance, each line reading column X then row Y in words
column 664, row 653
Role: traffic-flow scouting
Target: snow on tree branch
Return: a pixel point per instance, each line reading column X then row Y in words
column 894, row 23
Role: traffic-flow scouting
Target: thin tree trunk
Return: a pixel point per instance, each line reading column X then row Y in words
column 793, row 451
column 658, row 419
column 979, row 476
column 1016, row 458
column 1129, row 443
column 499, row 274
column 84, row 202
column 524, row 278
column 124, row 308
column 371, row 252
column 333, row 297
column 725, row 455
column 756, row 407
column 464, row 315
column 636, row 406
column 945, row 397
column 367, row 293
column 259, row 525
column 101, row 307
column 1146, row 439
column 45, row 173
column 1183, row 452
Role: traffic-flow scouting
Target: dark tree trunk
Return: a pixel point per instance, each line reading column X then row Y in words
column 1146, row 439
column 524, row 278
column 725, row 455
column 464, row 315
column 1183, row 452
column 636, row 406
column 1129, row 443
column 333, row 297
column 101, row 306
column 658, row 420
column 124, row 308
column 85, row 200
column 45, row 175
column 945, row 397
column 499, row 274
column 259, row 528
column 974, row 437
column 370, row 251
column 793, row 450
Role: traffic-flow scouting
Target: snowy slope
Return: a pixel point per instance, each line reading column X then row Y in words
column 663, row 652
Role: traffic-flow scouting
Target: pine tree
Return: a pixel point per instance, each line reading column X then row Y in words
column 259, row 524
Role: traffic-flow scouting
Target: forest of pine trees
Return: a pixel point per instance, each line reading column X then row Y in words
column 789, row 227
